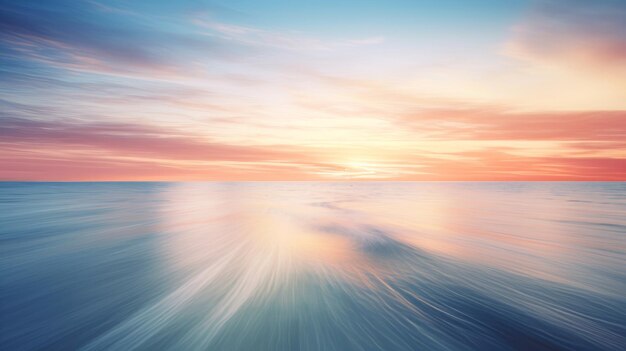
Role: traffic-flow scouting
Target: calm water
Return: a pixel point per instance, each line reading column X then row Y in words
column 313, row 266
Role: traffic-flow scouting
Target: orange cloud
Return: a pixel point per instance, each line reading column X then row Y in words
column 498, row 165
column 499, row 124
column 582, row 146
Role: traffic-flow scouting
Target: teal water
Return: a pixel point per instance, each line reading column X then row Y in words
column 313, row 266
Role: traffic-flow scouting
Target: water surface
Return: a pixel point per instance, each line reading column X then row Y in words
column 313, row 266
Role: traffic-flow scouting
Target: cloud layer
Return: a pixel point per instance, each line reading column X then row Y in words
column 180, row 91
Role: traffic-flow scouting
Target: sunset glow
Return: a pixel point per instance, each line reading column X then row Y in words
column 274, row 90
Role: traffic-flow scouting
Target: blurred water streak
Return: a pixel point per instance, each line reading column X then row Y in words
column 313, row 266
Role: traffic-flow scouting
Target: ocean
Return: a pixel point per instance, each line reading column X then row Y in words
column 313, row 266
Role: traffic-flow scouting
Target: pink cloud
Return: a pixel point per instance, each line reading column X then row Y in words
column 37, row 150
column 573, row 33
column 132, row 140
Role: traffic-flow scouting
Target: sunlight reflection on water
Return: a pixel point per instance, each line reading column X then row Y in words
column 313, row 266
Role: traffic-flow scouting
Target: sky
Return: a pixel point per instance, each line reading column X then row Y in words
column 313, row 90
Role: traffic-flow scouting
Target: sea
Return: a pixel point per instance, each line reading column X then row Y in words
column 313, row 266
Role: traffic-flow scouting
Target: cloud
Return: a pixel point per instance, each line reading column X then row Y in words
column 76, row 150
column 436, row 118
column 490, row 123
column 280, row 40
column 82, row 37
column 35, row 165
column 573, row 33
column 500, row 164
column 290, row 110
column 131, row 140
column 42, row 150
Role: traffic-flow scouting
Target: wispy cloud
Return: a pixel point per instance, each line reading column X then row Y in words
column 34, row 149
column 133, row 140
column 189, row 90
column 280, row 39
column 500, row 124
column 77, row 37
